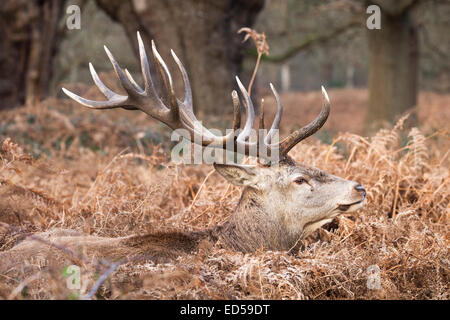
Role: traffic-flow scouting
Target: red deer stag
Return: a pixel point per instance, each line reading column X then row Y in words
column 282, row 201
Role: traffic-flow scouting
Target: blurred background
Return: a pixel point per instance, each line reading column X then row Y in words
column 374, row 75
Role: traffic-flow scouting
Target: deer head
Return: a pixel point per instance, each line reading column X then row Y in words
column 282, row 201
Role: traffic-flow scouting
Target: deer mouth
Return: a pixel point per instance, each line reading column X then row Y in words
column 354, row 206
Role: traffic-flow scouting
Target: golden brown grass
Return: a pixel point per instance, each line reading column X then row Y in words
column 99, row 173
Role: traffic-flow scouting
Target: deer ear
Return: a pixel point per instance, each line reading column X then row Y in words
column 239, row 175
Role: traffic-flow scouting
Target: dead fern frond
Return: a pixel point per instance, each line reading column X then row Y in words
column 418, row 154
column 262, row 47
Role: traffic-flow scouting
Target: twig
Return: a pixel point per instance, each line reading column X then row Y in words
column 395, row 198
column 307, row 43
column 23, row 284
column 102, row 279
column 261, row 47
column 110, row 270
column 254, row 74
column 200, row 189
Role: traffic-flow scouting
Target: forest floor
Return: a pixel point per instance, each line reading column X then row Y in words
column 108, row 174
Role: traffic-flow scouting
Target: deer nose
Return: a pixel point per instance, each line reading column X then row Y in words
column 361, row 190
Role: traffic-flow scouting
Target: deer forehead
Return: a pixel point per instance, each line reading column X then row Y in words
column 285, row 174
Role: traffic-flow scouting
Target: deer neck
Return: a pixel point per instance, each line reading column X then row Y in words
column 256, row 224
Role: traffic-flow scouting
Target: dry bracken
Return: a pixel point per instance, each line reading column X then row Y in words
column 56, row 176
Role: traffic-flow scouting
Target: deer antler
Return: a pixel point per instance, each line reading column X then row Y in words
column 298, row 135
column 179, row 114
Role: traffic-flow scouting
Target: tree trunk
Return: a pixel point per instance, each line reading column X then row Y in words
column 285, row 77
column 350, row 76
column 393, row 68
column 203, row 34
column 29, row 33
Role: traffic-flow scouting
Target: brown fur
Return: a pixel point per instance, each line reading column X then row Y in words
column 166, row 245
column 251, row 228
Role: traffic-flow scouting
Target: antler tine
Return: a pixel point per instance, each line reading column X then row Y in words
column 185, row 108
column 191, row 123
column 108, row 93
column 167, row 79
column 187, row 85
column 115, row 102
column 236, row 111
column 148, row 83
column 302, row 133
column 276, row 121
column 133, row 82
column 126, row 84
column 243, row 136
column 188, row 115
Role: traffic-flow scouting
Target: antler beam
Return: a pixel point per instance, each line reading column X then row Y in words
column 179, row 114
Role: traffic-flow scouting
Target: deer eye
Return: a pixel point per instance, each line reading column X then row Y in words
column 300, row 180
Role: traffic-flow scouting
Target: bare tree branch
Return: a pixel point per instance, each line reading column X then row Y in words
column 306, row 44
